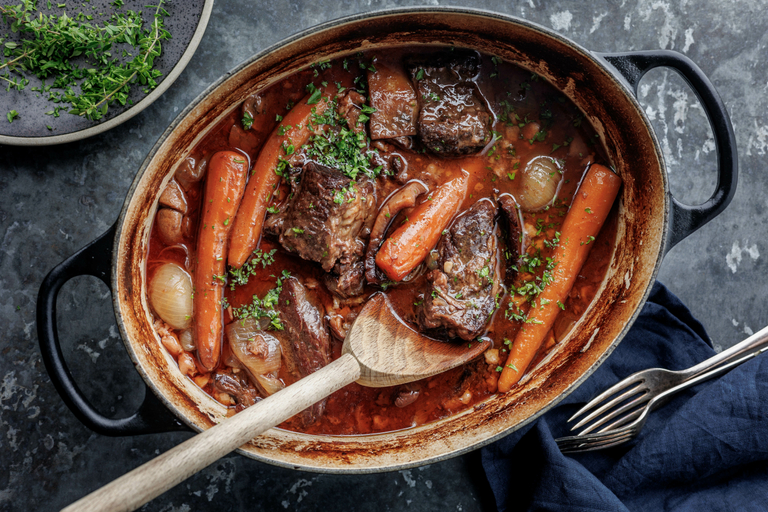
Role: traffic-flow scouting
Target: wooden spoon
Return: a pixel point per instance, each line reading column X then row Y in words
column 380, row 350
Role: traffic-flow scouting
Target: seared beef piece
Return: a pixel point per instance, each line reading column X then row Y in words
column 305, row 339
column 302, row 317
column 326, row 220
column 462, row 293
column 515, row 235
column 453, row 119
column 394, row 100
column 403, row 142
column 350, row 104
column 237, row 385
column 347, row 280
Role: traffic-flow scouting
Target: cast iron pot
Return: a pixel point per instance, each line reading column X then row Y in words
column 651, row 222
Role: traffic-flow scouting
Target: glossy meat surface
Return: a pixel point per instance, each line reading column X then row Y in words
column 306, row 342
column 326, row 221
column 395, row 101
column 453, row 119
column 462, row 295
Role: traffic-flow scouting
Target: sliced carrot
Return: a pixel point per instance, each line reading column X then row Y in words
column 411, row 242
column 292, row 133
column 227, row 171
column 589, row 209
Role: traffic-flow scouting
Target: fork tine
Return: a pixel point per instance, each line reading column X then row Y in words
column 616, row 388
column 609, row 405
column 623, row 421
column 591, row 438
column 629, row 406
column 586, row 446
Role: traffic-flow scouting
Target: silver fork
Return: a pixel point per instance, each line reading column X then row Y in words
column 627, row 404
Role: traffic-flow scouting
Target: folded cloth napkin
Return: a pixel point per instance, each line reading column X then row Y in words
column 706, row 450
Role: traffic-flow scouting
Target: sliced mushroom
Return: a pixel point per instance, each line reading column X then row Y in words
column 253, row 106
column 403, row 198
column 173, row 197
column 169, row 224
column 407, row 395
column 191, row 170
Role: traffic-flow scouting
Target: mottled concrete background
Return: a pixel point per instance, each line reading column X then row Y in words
column 56, row 200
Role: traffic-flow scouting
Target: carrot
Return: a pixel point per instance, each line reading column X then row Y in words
column 227, row 171
column 589, row 209
column 292, row 133
column 411, row 242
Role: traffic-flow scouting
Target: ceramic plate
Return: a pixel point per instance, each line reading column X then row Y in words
column 186, row 23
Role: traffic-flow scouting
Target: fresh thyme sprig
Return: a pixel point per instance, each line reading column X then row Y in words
column 98, row 92
column 51, row 43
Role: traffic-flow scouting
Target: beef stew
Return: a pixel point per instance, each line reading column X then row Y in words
column 487, row 160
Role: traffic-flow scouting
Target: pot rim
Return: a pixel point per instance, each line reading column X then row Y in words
column 611, row 74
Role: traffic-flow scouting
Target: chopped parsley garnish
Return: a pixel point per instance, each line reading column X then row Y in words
column 12, row 115
column 240, row 276
column 264, row 308
column 341, row 148
column 247, row 121
column 315, row 96
column 554, row 242
column 420, row 74
column 540, row 136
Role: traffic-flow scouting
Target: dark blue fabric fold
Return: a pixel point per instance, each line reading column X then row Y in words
column 706, row 450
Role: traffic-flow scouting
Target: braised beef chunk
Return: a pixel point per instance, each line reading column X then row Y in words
column 350, row 105
column 302, row 317
column 346, row 280
column 462, row 294
column 326, row 220
column 514, row 234
column 453, row 119
column 305, row 340
column 393, row 100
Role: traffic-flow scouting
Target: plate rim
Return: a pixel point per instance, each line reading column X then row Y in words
column 145, row 102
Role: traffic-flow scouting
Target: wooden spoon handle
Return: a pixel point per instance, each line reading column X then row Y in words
column 153, row 478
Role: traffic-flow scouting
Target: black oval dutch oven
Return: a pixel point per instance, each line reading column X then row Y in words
column 651, row 222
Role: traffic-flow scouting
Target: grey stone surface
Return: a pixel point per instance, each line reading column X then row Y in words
column 55, row 200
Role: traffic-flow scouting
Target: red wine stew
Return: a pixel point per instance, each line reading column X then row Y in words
column 470, row 191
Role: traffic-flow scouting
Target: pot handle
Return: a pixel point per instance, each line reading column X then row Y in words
column 685, row 219
column 95, row 259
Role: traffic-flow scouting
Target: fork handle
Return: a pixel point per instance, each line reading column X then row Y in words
column 714, row 371
column 752, row 346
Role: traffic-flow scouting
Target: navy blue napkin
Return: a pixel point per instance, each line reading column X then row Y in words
column 706, row 450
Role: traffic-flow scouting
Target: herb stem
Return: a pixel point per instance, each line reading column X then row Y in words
column 156, row 25
column 27, row 52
